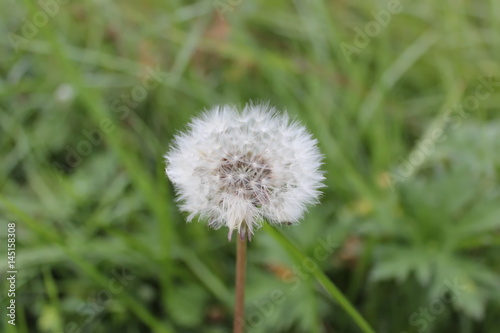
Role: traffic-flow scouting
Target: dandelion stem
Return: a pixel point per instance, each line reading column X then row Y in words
column 239, row 305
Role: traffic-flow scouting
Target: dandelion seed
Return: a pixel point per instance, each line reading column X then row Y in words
column 237, row 169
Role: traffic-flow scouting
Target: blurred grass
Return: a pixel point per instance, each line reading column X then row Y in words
column 398, row 246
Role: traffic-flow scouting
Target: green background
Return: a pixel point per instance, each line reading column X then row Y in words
column 406, row 112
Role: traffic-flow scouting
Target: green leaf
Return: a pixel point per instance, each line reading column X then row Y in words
column 329, row 286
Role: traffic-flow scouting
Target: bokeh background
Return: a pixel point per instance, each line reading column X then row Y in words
column 402, row 95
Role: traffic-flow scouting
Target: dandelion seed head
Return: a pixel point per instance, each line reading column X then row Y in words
column 236, row 169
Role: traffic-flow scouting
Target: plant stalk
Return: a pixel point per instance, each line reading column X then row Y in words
column 239, row 305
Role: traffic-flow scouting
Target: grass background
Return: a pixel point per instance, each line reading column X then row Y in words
column 101, row 246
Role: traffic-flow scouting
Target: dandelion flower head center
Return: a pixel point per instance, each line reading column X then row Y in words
column 247, row 176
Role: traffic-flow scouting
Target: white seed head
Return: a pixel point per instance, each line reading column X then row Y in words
column 236, row 169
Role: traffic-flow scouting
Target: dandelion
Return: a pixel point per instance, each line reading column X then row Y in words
column 238, row 169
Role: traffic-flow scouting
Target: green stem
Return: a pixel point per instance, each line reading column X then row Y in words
column 323, row 280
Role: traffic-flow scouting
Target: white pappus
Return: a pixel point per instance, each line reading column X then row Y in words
column 237, row 169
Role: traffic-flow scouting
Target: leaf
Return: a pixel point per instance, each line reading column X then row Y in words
column 188, row 305
column 485, row 218
column 329, row 286
column 399, row 262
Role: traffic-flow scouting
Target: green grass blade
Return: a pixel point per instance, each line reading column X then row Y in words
column 329, row 286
